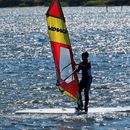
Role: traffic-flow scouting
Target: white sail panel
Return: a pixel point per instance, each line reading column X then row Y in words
column 65, row 64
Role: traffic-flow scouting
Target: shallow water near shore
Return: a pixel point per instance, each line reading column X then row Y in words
column 27, row 71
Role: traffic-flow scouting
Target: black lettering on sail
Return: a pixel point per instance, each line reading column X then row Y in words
column 53, row 28
column 57, row 29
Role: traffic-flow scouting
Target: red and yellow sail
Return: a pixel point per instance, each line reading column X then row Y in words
column 62, row 51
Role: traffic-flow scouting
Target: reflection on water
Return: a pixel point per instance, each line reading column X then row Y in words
column 27, row 71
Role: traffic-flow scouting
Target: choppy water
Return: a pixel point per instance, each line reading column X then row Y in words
column 27, row 72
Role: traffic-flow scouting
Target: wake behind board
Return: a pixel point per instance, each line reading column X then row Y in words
column 72, row 110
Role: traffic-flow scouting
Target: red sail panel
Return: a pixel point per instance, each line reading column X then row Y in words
column 62, row 51
column 55, row 10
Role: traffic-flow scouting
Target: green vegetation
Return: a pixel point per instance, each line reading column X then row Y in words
column 13, row 3
column 118, row 2
column 95, row 2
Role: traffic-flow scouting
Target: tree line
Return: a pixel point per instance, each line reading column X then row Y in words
column 21, row 3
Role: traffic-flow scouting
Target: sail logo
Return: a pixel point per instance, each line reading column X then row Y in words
column 57, row 29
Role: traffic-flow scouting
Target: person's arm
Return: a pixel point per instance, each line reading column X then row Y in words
column 79, row 68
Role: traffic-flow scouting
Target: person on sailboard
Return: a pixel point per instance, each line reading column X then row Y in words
column 85, row 82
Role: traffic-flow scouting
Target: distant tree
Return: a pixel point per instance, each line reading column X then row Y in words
column 47, row 2
column 8, row 3
column 29, row 2
column 38, row 2
column 118, row 2
column 125, row 2
column 75, row 2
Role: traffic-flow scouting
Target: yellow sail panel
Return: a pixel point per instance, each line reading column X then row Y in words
column 57, row 30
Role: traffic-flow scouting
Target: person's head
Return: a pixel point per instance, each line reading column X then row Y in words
column 85, row 56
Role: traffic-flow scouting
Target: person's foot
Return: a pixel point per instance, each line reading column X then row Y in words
column 86, row 109
column 78, row 108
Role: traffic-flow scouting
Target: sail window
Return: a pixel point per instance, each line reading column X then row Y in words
column 65, row 66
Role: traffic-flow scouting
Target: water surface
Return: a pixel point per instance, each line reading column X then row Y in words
column 27, row 71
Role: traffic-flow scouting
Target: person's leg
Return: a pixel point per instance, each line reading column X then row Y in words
column 86, row 94
column 79, row 101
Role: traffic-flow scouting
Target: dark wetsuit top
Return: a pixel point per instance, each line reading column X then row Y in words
column 86, row 71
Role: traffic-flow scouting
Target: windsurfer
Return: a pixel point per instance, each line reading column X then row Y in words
column 85, row 83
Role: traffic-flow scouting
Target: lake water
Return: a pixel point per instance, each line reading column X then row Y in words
column 27, row 71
